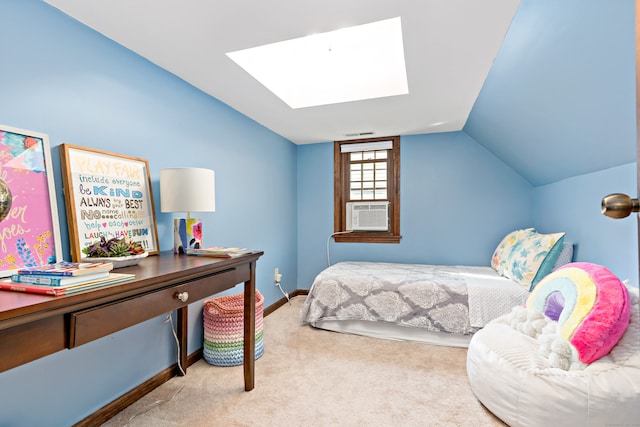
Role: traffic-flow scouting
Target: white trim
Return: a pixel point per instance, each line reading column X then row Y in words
column 366, row 146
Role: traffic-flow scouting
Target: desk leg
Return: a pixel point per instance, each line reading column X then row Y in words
column 250, row 328
column 183, row 320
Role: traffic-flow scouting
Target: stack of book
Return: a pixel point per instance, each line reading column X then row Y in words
column 218, row 252
column 63, row 278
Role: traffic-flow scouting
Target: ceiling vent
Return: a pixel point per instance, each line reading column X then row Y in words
column 359, row 134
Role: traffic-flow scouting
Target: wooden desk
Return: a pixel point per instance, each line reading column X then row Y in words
column 33, row 326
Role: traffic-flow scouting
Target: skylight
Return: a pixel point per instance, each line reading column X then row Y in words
column 350, row 64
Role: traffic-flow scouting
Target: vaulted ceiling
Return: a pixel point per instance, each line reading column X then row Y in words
column 547, row 86
column 560, row 99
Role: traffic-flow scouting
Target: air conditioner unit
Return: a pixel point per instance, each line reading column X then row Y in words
column 368, row 216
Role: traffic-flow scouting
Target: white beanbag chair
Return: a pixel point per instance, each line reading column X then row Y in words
column 533, row 381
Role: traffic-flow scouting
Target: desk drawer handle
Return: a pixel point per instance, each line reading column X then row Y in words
column 183, row 296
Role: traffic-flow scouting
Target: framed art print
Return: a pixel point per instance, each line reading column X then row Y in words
column 29, row 227
column 107, row 195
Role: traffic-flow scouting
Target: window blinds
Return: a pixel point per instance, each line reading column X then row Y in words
column 366, row 146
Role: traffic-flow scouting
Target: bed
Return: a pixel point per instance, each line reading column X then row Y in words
column 436, row 304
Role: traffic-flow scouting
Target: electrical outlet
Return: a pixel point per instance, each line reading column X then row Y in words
column 277, row 276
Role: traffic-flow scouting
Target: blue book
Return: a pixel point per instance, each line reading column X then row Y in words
column 111, row 279
column 67, row 268
column 60, row 281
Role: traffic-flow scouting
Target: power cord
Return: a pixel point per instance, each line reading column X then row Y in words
column 278, row 278
column 329, row 239
column 169, row 319
column 153, row 405
column 286, row 295
column 175, row 337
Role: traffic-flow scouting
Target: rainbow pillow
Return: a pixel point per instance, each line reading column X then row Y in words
column 590, row 305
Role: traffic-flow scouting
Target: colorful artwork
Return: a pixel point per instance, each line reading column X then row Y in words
column 107, row 195
column 29, row 230
column 187, row 234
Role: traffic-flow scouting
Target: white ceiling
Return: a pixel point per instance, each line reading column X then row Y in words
column 449, row 45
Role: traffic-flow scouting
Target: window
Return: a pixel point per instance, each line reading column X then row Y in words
column 367, row 170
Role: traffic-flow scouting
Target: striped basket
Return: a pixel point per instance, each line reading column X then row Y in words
column 224, row 329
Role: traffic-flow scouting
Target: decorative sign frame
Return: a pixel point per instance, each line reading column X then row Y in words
column 30, row 231
column 107, row 195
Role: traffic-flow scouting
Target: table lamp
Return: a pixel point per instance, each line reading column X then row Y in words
column 187, row 190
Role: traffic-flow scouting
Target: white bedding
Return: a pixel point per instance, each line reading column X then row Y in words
column 512, row 376
column 430, row 303
column 490, row 294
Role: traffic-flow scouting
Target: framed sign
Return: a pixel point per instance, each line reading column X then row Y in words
column 107, row 195
column 29, row 227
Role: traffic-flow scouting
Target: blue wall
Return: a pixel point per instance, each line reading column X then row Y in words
column 457, row 201
column 560, row 100
column 559, row 106
column 62, row 79
column 573, row 205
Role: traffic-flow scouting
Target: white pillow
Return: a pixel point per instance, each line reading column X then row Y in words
column 503, row 250
column 533, row 257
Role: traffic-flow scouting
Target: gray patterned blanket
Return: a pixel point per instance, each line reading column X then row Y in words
column 418, row 295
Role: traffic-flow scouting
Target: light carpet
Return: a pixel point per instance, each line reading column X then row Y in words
column 311, row 377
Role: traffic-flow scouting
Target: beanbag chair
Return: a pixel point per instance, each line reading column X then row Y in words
column 571, row 357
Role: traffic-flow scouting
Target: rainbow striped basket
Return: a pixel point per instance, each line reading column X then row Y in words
column 224, row 329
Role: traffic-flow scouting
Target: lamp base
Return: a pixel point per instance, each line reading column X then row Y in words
column 187, row 233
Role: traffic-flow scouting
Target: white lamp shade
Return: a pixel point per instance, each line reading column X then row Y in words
column 187, row 190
